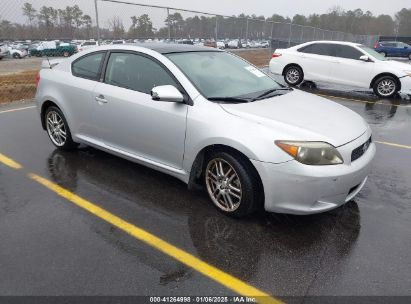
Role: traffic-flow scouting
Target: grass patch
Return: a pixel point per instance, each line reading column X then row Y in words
column 18, row 86
column 259, row 58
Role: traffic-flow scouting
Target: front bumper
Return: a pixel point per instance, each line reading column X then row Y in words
column 295, row 188
column 406, row 85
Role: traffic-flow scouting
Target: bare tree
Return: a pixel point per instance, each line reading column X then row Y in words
column 116, row 26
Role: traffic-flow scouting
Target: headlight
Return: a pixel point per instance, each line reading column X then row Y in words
column 311, row 152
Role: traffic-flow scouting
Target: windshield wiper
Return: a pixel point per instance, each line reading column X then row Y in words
column 268, row 92
column 229, row 99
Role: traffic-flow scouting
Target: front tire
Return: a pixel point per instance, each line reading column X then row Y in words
column 232, row 184
column 58, row 129
column 386, row 87
column 16, row 56
column 293, row 75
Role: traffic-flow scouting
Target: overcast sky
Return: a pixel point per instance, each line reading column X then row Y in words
column 11, row 9
column 283, row 7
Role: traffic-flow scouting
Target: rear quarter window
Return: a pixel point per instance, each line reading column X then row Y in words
column 324, row 49
column 88, row 66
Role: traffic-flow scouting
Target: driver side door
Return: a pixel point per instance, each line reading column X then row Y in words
column 129, row 120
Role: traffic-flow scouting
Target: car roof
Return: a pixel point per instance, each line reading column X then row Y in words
column 159, row 47
column 335, row 42
column 167, row 48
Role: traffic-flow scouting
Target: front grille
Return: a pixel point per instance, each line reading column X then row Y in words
column 358, row 152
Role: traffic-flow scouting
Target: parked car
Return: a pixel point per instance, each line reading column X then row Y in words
column 185, row 41
column 118, row 42
column 52, row 48
column 220, row 45
column 265, row 44
column 4, row 51
column 393, row 49
column 17, row 53
column 210, row 43
column 87, row 44
column 234, row 44
column 342, row 63
column 208, row 117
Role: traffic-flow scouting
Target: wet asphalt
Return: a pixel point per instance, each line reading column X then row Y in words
column 49, row 246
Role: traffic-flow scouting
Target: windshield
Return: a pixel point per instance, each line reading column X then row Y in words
column 373, row 53
column 220, row 74
column 402, row 44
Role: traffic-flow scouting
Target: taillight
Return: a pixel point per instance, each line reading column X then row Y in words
column 37, row 79
column 275, row 55
column 377, row 45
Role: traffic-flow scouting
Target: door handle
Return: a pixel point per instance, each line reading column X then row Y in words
column 100, row 98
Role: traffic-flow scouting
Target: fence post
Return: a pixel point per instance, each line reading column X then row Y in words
column 272, row 28
column 168, row 23
column 216, row 28
column 302, row 34
column 246, row 32
column 97, row 23
column 289, row 34
column 314, row 38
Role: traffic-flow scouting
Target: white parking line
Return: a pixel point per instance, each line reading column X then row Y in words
column 17, row 109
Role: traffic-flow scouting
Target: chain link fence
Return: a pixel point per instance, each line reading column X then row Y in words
column 26, row 26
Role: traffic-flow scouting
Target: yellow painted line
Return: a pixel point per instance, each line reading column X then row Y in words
column 180, row 255
column 363, row 101
column 17, row 109
column 393, row 145
column 9, row 162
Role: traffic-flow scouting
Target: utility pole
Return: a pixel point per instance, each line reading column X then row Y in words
column 97, row 23
column 168, row 23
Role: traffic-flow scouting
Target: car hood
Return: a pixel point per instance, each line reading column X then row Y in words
column 400, row 66
column 303, row 116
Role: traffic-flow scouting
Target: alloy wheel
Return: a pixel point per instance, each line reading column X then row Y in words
column 56, row 128
column 386, row 87
column 223, row 185
column 293, row 75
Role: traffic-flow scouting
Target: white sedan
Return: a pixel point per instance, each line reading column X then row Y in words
column 342, row 63
column 17, row 52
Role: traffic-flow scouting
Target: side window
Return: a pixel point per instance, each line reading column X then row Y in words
column 319, row 49
column 88, row 66
column 348, row 52
column 136, row 72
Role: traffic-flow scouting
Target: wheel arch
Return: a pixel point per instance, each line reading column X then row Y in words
column 386, row 74
column 46, row 104
column 197, row 169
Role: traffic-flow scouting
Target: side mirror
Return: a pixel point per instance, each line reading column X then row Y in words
column 365, row 58
column 167, row 93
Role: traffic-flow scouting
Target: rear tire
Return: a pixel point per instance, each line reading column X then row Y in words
column 232, row 184
column 58, row 129
column 66, row 54
column 386, row 87
column 293, row 75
